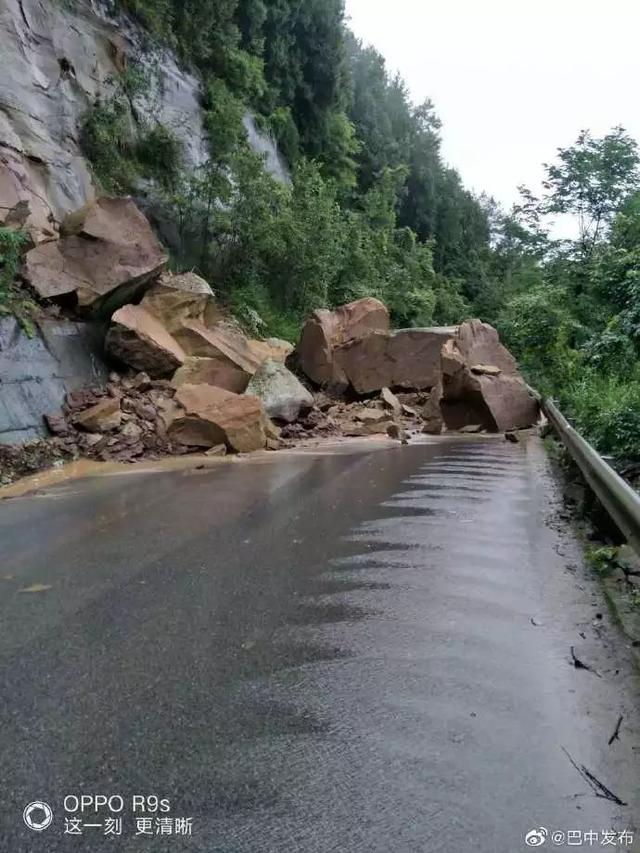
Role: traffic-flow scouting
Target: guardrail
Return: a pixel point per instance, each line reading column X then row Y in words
column 615, row 494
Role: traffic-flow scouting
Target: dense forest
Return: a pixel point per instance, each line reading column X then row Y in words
column 373, row 209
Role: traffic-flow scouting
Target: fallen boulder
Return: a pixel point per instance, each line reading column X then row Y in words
column 481, row 384
column 139, row 339
column 408, row 358
column 479, row 344
column 106, row 256
column 282, row 393
column 176, row 299
column 210, row 371
column 226, row 344
column 325, row 330
column 212, row 416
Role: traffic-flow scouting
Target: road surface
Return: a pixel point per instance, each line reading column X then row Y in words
column 357, row 651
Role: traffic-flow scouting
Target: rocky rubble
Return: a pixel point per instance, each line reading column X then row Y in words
column 125, row 421
column 473, row 381
column 210, row 404
column 189, row 379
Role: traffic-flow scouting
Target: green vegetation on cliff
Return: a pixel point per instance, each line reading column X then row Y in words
column 371, row 208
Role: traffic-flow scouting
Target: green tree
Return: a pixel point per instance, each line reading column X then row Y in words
column 590, row 180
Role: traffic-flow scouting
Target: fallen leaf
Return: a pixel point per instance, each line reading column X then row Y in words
column 36, row 587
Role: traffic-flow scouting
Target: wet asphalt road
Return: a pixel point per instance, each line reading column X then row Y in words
column 359, row 652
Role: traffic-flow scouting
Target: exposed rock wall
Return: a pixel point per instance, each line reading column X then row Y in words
column 35, row 373
column 57, row 58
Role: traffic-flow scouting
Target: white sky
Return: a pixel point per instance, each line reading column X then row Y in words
column 512, row 80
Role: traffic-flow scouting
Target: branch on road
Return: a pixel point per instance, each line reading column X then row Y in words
column 596, row 785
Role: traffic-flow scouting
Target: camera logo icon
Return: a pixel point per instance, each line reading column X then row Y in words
column 536, row 837
column 38, row 815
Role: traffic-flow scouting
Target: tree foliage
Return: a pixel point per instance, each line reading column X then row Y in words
column 574, row 319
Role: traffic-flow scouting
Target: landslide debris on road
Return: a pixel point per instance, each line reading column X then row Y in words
column 188, row 379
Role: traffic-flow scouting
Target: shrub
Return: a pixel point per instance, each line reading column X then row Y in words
column 13, row 299
column 606, row 411
column 160, row 157
column 538, row 328
column 108, row 139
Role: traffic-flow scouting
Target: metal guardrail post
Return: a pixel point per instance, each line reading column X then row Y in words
column 615, row 494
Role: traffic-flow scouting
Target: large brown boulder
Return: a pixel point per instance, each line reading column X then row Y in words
column 139, row 339
column 327, row 330
column 106, row 256
column 227, row 345
column 479, row 344
column 409, row 358
column 176, row 299
column 212, row 416
column 481, row 383
column 210, row 371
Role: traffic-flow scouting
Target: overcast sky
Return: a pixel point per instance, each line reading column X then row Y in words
column 512, row 80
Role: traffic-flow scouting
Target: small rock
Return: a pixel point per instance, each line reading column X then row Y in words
column 390, row 400
column 363, row 428
column 57, row 424
column 92, row 438
column 370, row 415
column 409, row 411
column 212, row 415
column 145, row 411
column 472, row 428
column 313, row 420
column 293, row 431
column 102, row 417
column 131, row 430
column 141, row 382
column 163, row 385
column 217, row 450
column 433, row 426
column 323, row 401
column 396, row 432
column 114, row 391
column 77, row 400
column 512, row 437
column 271, row 431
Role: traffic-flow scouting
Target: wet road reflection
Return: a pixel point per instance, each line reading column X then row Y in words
column 327, row 653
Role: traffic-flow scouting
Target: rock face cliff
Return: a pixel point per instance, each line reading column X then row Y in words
column 58, row 58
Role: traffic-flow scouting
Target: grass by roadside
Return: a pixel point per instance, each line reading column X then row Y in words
column 612, row 561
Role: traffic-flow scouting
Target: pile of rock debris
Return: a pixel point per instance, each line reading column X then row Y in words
column 204, row 386
column 187, row 379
